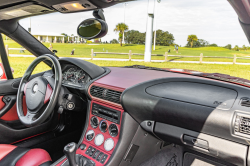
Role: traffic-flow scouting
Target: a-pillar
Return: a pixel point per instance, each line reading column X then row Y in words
column 47, row 39
column 63, row 39
column 55, row 40
column 38, row 38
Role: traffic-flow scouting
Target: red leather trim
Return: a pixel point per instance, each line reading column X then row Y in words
column 11, row 115
column 48, row 93
column 2, row 104
column 5, row 149
column 34, row 157
column 28, row 137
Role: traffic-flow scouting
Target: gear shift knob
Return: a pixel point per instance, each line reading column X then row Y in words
column 70, row 152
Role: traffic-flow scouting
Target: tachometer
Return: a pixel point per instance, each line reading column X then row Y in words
column 81, row 77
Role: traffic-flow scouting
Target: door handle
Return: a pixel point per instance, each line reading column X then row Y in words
column 9, row 101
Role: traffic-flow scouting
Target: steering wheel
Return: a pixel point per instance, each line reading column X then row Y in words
column 41, row 93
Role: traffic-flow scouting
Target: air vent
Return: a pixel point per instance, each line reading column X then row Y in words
column 106, row 94
column 245, row 102
column 242, row 125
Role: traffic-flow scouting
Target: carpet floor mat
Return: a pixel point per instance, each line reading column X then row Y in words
column 171, row 155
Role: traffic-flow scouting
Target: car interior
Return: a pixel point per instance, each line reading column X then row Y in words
column 81, row 114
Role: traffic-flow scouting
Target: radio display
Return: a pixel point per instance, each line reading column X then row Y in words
column 106, row 113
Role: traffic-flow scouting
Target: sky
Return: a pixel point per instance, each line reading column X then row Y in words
column 212, row 20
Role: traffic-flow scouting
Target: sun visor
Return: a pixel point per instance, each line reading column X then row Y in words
column 23, row 10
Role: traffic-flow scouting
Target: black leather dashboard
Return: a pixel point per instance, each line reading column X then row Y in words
column 200, row 105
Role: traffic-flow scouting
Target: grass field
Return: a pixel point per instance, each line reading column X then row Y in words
column 21, row 64
column 84, row 50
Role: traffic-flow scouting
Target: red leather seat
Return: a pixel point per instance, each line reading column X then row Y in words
column 11, row 155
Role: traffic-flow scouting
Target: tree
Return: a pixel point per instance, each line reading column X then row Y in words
column 244, row 47
column 64, row 34
column 191, row 39
column 198, row 43
column 121, row 28
column 164, row 38
column 203, row 43
column 229, row 46
column 236, row 48
column 114, row 41
column 134, row 37
column 213, row 45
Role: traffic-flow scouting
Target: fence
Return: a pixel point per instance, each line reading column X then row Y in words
column 166, row 56
column 7, row 49
column 234, row 58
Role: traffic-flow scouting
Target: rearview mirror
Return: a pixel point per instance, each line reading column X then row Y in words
column 92, row 28
column 54, row 51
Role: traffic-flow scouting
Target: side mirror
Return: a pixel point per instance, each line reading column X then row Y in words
column 92, row 28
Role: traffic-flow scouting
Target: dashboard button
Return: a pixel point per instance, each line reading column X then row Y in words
column 104, row 159
column 92, row 151
column 88, row 150
column 82, row 146
column 99, row 156
column 96, row 154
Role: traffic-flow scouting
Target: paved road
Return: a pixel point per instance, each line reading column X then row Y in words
column 137, row 60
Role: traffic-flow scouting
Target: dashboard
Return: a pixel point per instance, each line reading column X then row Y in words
column 161, row 102
column 73, row 75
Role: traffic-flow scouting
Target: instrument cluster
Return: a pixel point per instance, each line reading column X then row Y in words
column 75, row 76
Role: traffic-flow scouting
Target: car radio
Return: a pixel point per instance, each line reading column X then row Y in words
column 106, row 113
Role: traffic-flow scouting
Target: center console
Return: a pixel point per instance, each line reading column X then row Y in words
column 102, row 133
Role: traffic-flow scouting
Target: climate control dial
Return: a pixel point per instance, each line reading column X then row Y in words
column 103, row 126
column 113, row 130
column 94, row 122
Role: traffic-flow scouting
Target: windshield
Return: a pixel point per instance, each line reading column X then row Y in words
column 204, row 36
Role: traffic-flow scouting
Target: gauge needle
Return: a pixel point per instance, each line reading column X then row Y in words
column 70, row 76
column 81, row 77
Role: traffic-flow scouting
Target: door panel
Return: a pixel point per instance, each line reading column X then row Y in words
column 11, row 129
column 2, row 104
column 11, row 115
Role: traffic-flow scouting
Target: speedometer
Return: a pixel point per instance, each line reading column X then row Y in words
column 71, row 75
column 75, row 76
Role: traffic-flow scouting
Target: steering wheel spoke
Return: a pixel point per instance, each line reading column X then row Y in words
column 29, row 117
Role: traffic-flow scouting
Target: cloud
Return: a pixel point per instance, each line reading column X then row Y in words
column 214, row 21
